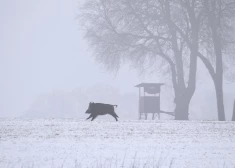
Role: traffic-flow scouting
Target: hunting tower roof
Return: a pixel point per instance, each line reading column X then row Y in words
column 149, row 85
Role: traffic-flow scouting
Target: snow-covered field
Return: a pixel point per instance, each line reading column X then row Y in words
column 77, row 143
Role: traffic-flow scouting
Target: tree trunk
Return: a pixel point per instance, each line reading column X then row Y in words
column 181, row 109
column 233, row 118
column 214, row 23
column 219, row 76
column 220, row 101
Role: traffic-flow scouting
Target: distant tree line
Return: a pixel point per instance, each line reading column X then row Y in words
column 74, row 103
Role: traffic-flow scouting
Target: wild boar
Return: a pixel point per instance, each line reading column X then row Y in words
column 95, row 109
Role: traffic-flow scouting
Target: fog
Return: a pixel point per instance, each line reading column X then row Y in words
column 122, row 83
column 42, row 50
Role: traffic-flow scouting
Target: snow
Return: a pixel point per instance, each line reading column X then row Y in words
column 105, row 143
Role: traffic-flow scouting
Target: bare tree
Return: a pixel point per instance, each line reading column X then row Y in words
column 183, row 18
column 208, row 27
column 140, row 31
column 215, row 41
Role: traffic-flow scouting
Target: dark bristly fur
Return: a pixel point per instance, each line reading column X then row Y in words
column 95, row 109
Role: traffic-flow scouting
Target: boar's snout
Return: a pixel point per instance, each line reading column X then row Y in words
column 89, row 108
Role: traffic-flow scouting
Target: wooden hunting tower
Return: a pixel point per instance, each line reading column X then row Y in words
column 149, row 99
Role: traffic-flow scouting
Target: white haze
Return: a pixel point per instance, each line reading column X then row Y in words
column 42, row 50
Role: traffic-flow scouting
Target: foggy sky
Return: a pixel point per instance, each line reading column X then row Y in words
column 41, row 50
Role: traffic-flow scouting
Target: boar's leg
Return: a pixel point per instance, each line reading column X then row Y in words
column 93, row 117
column 114, row 115
column 89, row 117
